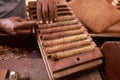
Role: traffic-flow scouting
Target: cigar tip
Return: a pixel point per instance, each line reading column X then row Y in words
column 41, row 37
column 46, row 22
column 55, row 19
column 54, row 57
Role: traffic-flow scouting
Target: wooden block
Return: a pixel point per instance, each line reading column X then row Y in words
column 3, row 74
column 81, row 68
column 56, row 24
column 110, row 68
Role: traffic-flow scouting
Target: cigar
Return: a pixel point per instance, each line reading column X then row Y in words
column 61, row 34
column 64, row 40
column 67, row 46
column 65, row 18
column 56, row 24
column 64, row 13
column 63, row 9
column 59, row 29
column 72, row 52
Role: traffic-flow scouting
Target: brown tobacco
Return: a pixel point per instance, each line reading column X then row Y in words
column 65, row 13
column 63, row 54
column 64, row 40
column 59, row 29
column 56, row 24
column 67, row 46
column 65, row 18
column 61, row 34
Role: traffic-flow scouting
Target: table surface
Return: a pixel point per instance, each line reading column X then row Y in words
column 37, row 71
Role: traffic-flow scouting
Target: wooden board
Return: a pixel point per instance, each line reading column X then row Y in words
column 110, row 68
column 70, row 64
column 3, row 73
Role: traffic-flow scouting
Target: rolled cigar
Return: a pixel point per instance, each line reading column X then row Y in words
column 61, row 5
column 61, row 34
column 67, row 46
column 72, row 52
column 65, row 18
column 56, row 24
column 59, row 29
column 65, row 12
column 63, row 9
column 64, row 40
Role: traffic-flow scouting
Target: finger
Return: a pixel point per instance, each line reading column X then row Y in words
column 25, row 24
column 39, row 11
column 51, row 11
column 45, row 11
column 55, row 10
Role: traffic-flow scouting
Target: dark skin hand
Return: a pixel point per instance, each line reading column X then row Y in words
column 46, row 11
column 10, row 24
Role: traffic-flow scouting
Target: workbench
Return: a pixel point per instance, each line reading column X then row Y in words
column 31, row 61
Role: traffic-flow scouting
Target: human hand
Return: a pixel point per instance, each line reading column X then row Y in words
column 10, row 25
column 46, row 11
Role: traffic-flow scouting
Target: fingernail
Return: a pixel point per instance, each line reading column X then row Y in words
column 55, row 19
column 46, row 22
column 41, row 22
column 51, row 21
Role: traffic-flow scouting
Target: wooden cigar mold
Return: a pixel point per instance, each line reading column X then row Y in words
column 65, row 45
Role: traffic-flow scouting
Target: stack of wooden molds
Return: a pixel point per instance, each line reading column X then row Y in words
column 65, row 45
column 116, row 3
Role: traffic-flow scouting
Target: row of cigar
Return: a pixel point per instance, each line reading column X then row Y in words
column 64, row 38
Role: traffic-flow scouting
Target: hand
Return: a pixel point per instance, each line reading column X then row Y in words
column 46, row 11
column 10, row 25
